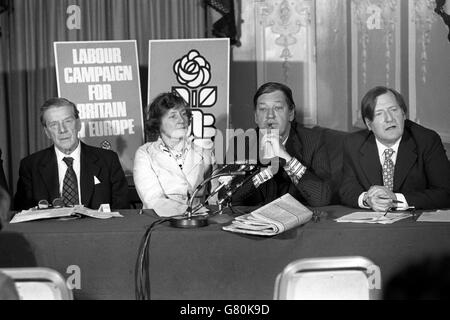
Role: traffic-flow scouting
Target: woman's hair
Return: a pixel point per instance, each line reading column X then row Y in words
column 157, row 109
column 369, row 101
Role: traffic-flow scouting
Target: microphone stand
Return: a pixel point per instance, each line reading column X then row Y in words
column 188, row 220
column 218, row 216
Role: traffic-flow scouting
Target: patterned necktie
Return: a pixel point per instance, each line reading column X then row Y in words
column 388, row 169
column 70, row 185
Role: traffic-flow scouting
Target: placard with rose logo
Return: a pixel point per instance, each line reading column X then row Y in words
column 198, row 71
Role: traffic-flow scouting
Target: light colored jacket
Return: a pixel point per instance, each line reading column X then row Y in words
column 161, row 184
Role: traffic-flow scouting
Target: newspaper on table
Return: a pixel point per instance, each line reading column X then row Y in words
column 282, row 214
column 66, row 212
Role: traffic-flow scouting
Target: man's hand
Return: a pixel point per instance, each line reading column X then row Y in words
column 380, row 198
column 273, row 139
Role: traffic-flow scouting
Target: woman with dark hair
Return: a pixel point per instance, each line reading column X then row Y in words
column 170, row 166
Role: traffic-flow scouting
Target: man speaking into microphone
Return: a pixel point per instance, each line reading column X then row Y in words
column 69, row 169
column 299, row 163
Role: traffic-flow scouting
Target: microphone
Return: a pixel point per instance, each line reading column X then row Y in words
column 242, row 170
column 251, row 171
column 223, row 184
column 189, row 221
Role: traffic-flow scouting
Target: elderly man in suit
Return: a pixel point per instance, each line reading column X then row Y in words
column 395, row 162
column 299, row 164
column 69, row 169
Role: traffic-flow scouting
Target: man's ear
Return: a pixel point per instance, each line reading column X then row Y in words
column 291, row 114
column 255, row 117
column 78, row 125
column 47, row 133
column 368, row 124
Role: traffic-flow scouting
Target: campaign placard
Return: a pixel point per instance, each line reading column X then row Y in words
column 198, row 71
column 102, row 79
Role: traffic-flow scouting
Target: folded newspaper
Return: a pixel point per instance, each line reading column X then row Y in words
column 274, row 218
column 76, row 211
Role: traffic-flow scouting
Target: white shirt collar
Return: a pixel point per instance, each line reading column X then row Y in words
column 75, row 153
column 285, row 140
column 381, row 147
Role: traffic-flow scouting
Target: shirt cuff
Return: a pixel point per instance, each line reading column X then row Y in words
column 404, row 205
column 262, row 177
column 295, row 170
column 361, row 199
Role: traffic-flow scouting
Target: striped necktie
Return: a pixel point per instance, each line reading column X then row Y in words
column 70, row 185
column 388, row 169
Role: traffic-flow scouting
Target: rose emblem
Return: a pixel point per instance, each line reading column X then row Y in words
column 192, row 70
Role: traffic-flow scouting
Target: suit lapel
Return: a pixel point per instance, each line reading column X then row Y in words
column 370, row 161
column 88, row 169
column 294, row 146
column 406, row 157
column 48, row 169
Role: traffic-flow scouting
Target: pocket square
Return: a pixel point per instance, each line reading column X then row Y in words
column 96, row 181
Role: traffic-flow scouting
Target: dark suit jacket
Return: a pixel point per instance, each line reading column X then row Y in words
column 38, row 179
column 421, row 174
column 313, row 189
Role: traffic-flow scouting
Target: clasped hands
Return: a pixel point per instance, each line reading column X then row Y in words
column 272, row 138
column 380, row 198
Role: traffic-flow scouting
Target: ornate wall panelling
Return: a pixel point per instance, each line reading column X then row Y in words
column 375, row 49
column 429, row 67
column 285, row 50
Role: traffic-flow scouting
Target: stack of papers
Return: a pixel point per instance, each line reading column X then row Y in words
column 435, row 216
column 76, row 211
column 374, row 217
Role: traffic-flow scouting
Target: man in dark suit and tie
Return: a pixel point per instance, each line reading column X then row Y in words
column 395, row 162
column 69, row 169
column 299, row 161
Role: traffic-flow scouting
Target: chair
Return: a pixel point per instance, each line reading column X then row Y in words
column 334, row 278
column 39, row 284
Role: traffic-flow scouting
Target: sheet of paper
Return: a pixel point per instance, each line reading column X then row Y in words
column 373, row 217
column 96, row 214
column 30, row 215
column 435, row 216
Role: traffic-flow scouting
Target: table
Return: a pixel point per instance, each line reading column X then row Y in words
column 207, row 263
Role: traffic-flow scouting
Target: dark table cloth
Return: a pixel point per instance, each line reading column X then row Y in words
column 207, row 263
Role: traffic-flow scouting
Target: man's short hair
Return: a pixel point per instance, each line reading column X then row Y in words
column 270, row 87
column 369, row 101
column 55, row 103
column 158, row 108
